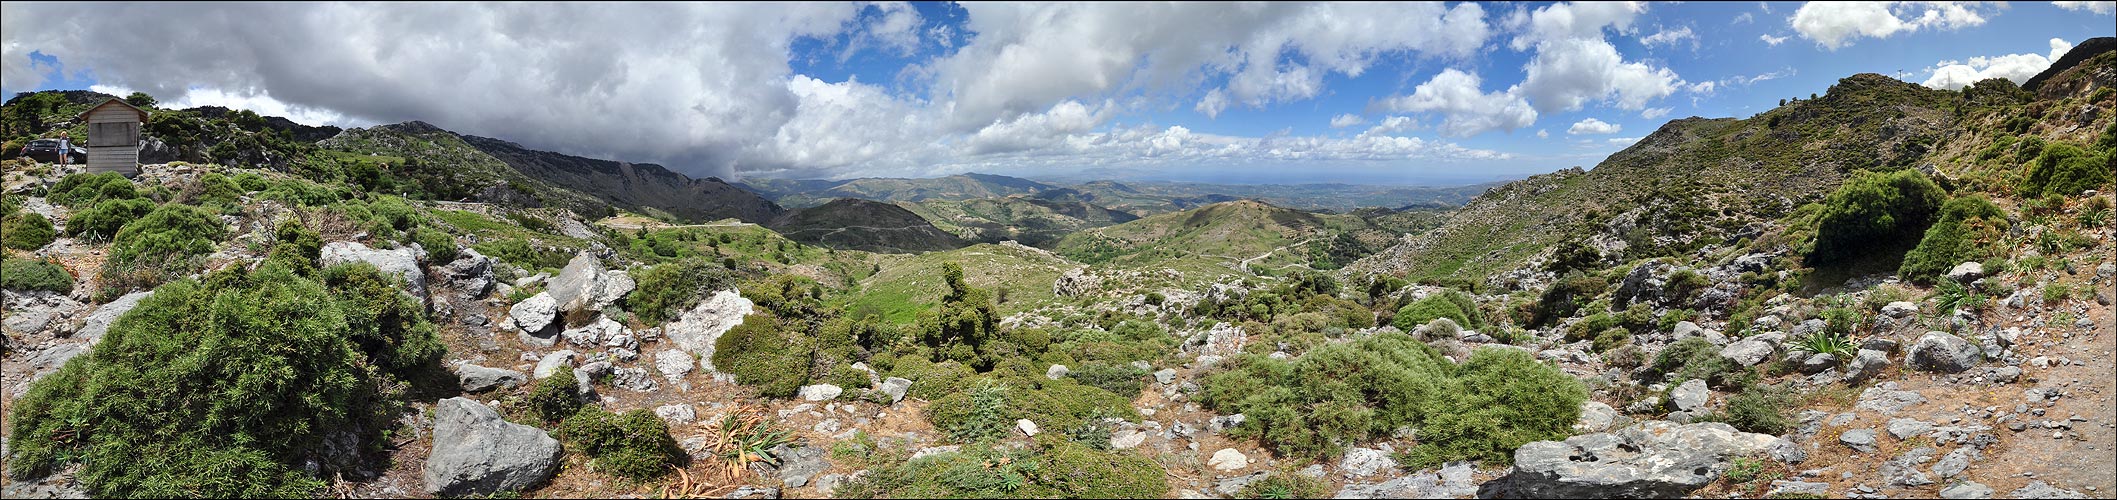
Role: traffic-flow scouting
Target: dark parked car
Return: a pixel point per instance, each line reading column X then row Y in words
column 48, row 150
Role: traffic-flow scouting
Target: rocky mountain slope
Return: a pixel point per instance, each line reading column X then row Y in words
column 639, row 187
column 1031, row 220
column 864, row 225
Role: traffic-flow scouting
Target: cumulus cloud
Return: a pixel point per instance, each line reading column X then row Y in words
column 2095, row 7
column 1564, row 74
column 1652, row 113
column 1593, row 126
column 1543, row 133
column 1745, row 18
column 1953, row 75
column 1772, row 40
column 1572, row 21
column 1464, row 107
column 1346, row 120
column 1834, row 25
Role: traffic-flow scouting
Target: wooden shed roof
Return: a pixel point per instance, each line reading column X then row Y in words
column 120, row 102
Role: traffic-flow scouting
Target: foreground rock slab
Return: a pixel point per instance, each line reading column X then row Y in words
column 1652, row 459
column 477, row 453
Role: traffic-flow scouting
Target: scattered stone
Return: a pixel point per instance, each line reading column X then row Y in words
column 934, row 450
column 470, row 274
column 696, row 330
column 1747, row 352
column 1595, row 417
column 1885, row 398
column 798, row 464
column 1651, row 459
column 1955, row 463
column 820, row 392
column 895, row 388
column 1166, row 376
column 1454, row 480
column 677, row 413
column 2037, row 489
column 1056, row 372
column 674, row 363
column 1966, row 490
column 476, row 378
column 1027, row 427
column 1942, row 352
column 1786, row 487
column 1230, row 486
column 1817, row 363
column 1967, row 272
column 1905, row 428
column 552, row 363
column 1865, row 365
column 1900, row 309
column 1125, row 439
column 1224, row 422
column 1858, row 439
column 578, row 284
column 477, row 453
column 535, row 313
column 633, row 378
column 402, row 262
column 1363, row 462
column 1903, row 471
column 99, row 321
column 1228, row 459
column 1691, row 396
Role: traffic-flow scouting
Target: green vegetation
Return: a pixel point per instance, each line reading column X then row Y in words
column 1695, row 358
column 245, row 373
column 635, row 445
column 35, row 275
column 555, row 398
column 2068, row 170
column 1873, row 211
column 105, row 218
column 1759, row 408
column 1341, row 393
column 1281, row 484
column 1049, row 469
column 1969, row 230
column 1451, row 304
column 762, row 353
column 666, row 291
column 169, row 242
column 82, row 190
column 26, row 231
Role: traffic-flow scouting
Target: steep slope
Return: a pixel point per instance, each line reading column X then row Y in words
column 1029, row 220
column 451, row 166
column 640, row 187
column 1695, row 182
column 864, row 225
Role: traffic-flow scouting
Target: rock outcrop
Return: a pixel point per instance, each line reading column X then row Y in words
column 477, row 453
column 1652, row 459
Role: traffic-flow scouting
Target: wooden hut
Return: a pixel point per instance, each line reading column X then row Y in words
column 114, row 137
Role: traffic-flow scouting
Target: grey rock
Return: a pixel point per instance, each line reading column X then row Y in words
column 1966, row 490
column 99, row 321
column 1903, row 471
column 1861, row 440
column 1900, row 309
column 2038, row 489
column 1125, row 439
column 1056, row 372
column 1652, row 459
column 1166, row 376
column 1783, row 487
column 1691, row 396
column 1228, row 459
column 1944, row 353
column 579, row 284
column 934, row 450
column 1453, row 480
column 1886, row 345
column 1905, row 428
column 402, row 262
column 552, row 363
column 895, row 388
column 1747, row 352
column 1685, row 329
column 38, row 312
column 1363, row 462
column 1865, row 365
column 476, row 378
column 1595, row 417
column 1955, row 462
column 535, row 313
column 587, row 375
column 49, row 360
column 615, row 285
column 1818, row 363
column 634, row 379
column 477, row 453
column 2006, row 374
column 1026, row 427
column 470, row 274
column 1967, row 272
column 1886, row 399
column 677, row 413
column 820, row 392
column 1228, row 487
column 674, row 364
column 697, row 329
column 798, row 464
column 767, row 493
column 1224, row 422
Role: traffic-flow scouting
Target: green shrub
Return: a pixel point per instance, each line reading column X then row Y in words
column 216, row 388
column 35, row 275
column 250, row 181
column 1119, row 379
column 1969, row 230
column 103, row 219
column 390, row 327
column 1051, row 469
column 1451, row 304
column 1507, row 399
column 850, row 378
column 1280, row 484
column 171, row 230
column 295, row 245
column 1695, row 358
column 518, row 252
column 1874, row 210
column 981, row 414
column 666, row 291
column 1629, row 356
column 933, row 381
column 2066, row 169
column 635, row 445
column 440, row 247
column 26, row 231
column 395, row 212
column 556, row 397
column 761, row 353
column 299, row 192
column 1612, row 339
column 1759, row 408
column 959, row 329
column 1588, row 327
column 214, row 189
column 78, row 190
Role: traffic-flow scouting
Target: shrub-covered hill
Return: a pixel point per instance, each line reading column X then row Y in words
column 807, row 193
column 1693, row 183
column 1029, row 220
column 864, row 225
column 1235, row 235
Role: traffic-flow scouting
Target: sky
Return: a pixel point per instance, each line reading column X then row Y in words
column 1376, row 93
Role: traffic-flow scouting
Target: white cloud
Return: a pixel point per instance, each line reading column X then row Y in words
column 1212, row 104
column 1593, row 126
column 1624, row 140
column 1564, row 74
column 259, row 103
column 1543, row 133
column 1465, row 108
column 1652, row 113
column 1346, row 120
column 1670, row 37
column 1834, row 25
column 1572, row 21
column 1745, row 18
column 2095, row 7
column 1772, row 40
column 1953, row 75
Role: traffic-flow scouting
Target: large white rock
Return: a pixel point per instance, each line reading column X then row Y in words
column 578, row 285
column 1228, row 459
column 403, row 262
column 674, row 363
column 821, row 392
column 534, row 313
column 697, row 329
column 1655, row 459
column 552, row 363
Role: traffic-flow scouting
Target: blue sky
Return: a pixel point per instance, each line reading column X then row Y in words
column 1372, row 93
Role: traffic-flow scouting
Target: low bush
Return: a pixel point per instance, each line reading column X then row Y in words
column 635, row 445
column 762, row 354
column 1969, row 230
column 30, row 275
column 665, row 291
column 220, row 387
column 2068, row 170
column 26, row 231
column 440, row 247
column 1122, row 380
column 1451, row 304
column 80, row 190
column 1280, row 484
column 103, row 219
column 555, row 398
column 1506, row 399
column 1695, row 358
column 170, row 230
column 1050, row 469
column 1759, row 408
column 1874, row 210
column 295, row 245
column 213, row 189
column 1612, row 339
column 390, row 326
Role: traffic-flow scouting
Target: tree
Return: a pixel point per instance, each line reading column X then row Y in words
column 140, row 100
column 1875, row 211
